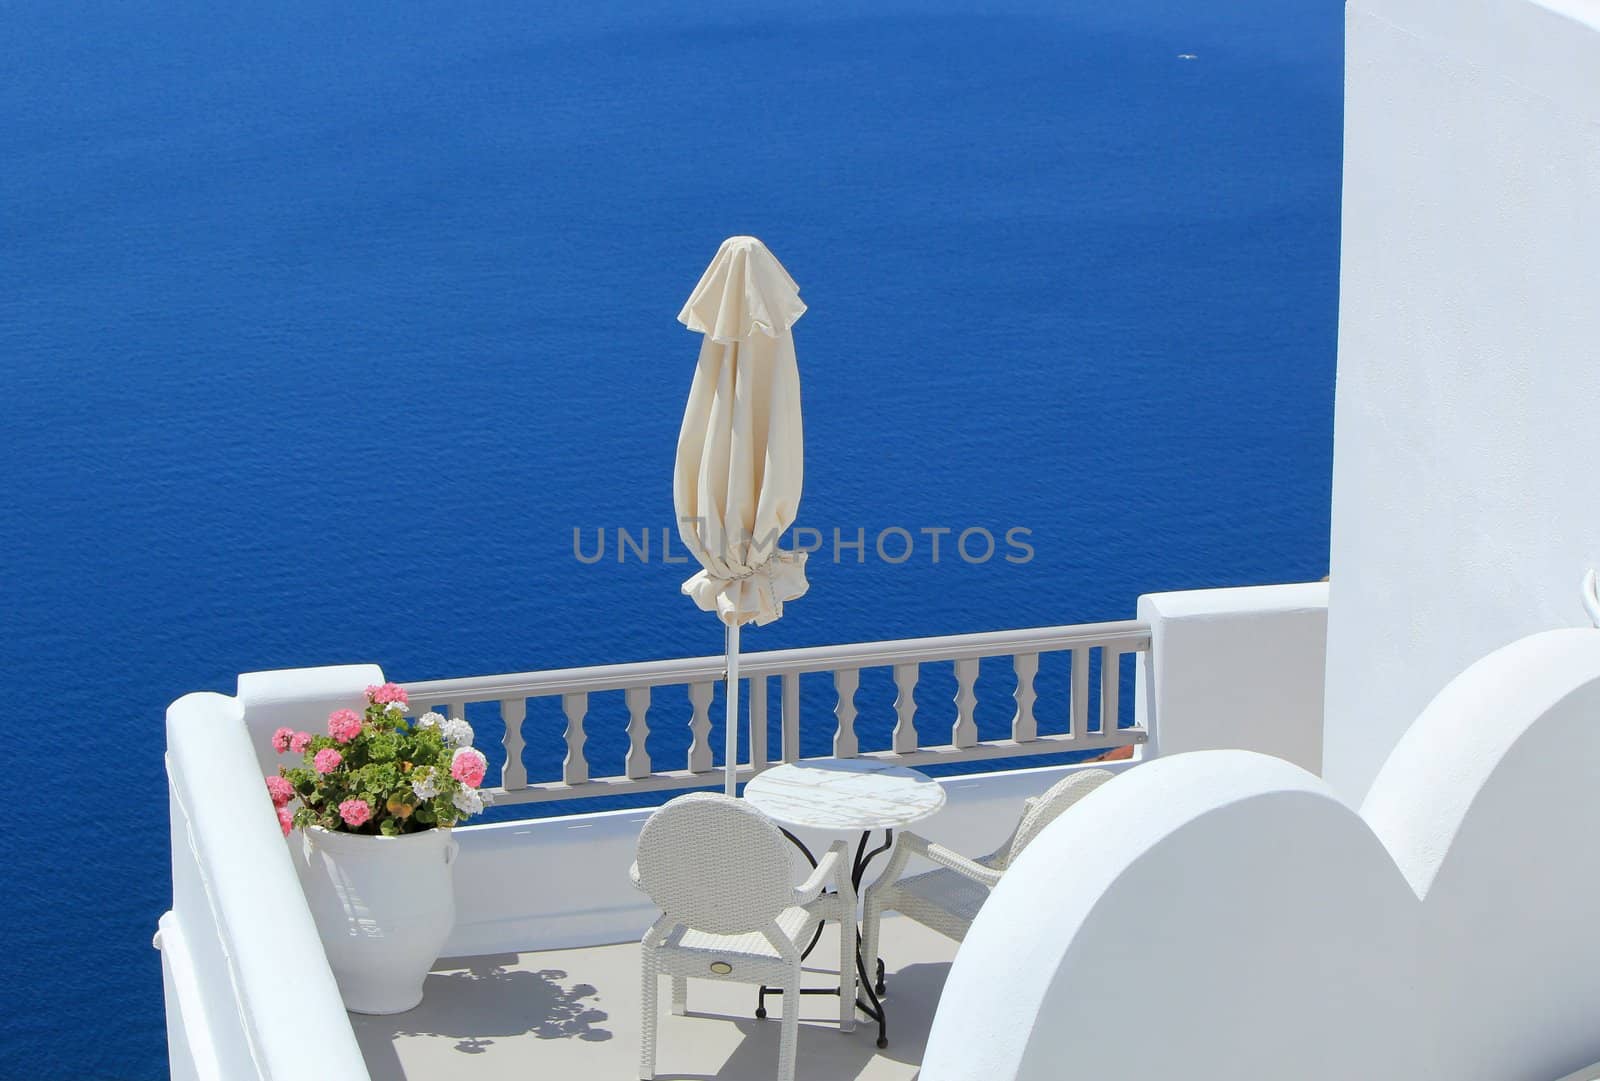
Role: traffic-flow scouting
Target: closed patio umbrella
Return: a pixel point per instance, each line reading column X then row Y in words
column 737, row 484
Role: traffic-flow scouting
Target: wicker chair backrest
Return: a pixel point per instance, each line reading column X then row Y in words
column 715, row 864
column 1045, row 809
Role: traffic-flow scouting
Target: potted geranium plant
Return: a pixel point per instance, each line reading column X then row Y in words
column 374, row 799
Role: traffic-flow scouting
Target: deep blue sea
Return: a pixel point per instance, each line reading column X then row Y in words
column 322, row 327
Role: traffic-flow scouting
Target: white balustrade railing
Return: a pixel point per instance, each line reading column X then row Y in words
column 905, row 658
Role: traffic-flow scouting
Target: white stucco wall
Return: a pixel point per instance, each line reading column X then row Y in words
column 1235, row 668
column 239, row 920
column 1467, row 431
column 1225, row 916
column 1215, row 916
column 1488, row 807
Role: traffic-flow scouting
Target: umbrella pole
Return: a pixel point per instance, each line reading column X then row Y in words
column 730, row 747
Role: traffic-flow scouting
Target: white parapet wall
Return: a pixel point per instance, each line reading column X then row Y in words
column 1226, row 916
column 561, row 882
column 1235, row 668
column 1467, row 419
column 248, row 990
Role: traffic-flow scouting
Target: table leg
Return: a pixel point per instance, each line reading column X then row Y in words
column 860, row 869
column 857, row 874
column 873, row 1007
column 801, row 845
column 764, row 990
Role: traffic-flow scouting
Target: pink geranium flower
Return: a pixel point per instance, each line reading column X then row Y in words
column 280, row 790
column 285, row 820
column 387, row 693
column 281, row 738
column 355, row 812
column 344, row 725
column 327, row 760
column 468, row 766
column 299, row 742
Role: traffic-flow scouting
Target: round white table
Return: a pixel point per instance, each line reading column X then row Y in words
column 845, row 794
column 842, row 795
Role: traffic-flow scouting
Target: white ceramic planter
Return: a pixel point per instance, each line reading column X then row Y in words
column 384, row 907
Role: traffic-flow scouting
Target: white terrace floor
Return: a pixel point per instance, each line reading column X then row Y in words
column 573, row 1015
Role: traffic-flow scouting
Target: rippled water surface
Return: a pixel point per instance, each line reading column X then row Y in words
column 323, row 326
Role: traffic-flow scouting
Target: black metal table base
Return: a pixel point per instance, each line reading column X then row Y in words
column 873, row 1006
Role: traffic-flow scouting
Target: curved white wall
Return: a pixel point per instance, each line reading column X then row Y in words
column 1222, row 915
column 1467, row 420
column 1490, row 807
column 1218, row 914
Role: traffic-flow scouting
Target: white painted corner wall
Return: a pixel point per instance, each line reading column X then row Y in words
column 1235, row 668
column 1467, row 420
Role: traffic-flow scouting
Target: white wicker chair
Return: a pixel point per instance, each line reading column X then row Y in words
column 721, row 874
column 947, row 898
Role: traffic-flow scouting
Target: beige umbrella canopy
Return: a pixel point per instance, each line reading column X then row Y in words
column 740, row 451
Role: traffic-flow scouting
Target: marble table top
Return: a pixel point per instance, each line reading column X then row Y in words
column 841, row 794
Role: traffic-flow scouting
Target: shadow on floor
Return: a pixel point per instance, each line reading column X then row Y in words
column 823, row 1052
column 486, row 997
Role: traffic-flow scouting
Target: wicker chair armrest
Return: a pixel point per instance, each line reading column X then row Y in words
column 832, row 865
column 955, row 861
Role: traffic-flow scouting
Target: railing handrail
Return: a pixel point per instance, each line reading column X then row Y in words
column 1131, row 635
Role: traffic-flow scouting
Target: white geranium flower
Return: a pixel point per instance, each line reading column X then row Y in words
column 456, row 732
column 468, row 801
column 399, row 707
column 425, row 784
column 430, row 720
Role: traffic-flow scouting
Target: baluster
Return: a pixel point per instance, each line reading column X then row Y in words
column 965, row 731
column 1080, row 692
column 575, row 768
column 758, row 723
column 1024, row 728
column 791, row 717
column 458, row 709
column 638, row 762
column 700, row 727
column 845, row 681
column 513, row 711
column 905, row 707
column 1110, row 687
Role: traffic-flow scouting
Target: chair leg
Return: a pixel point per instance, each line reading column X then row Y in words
column 790, row 1036
column 647, row 1035
column 680, row 995
column 847, row 973
column 870, row 920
